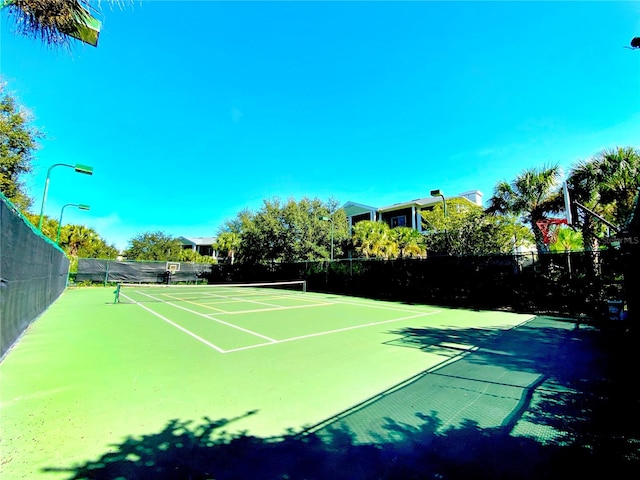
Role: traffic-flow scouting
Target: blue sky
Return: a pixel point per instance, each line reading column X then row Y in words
column 190, row 112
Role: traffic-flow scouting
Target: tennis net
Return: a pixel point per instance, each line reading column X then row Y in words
column 140, row 292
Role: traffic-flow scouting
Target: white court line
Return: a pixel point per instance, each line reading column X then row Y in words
column 273, row 309
column 207, row 317
column 370, row 305
column 213, row 295
column 272, row 341
column 381, row 307
column 188, row 332
column 297, row 295
column 196, row 303
column 354, row 327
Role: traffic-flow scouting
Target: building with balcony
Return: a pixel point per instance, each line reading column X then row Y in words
column 404, row 214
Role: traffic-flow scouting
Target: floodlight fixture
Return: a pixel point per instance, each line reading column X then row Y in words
column 81, row 206
column 87, row 170
column 438, row 193
column 326, row 218
column 84, row 169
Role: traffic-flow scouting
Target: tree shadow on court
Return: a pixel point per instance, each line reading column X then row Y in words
column 183, row 450
column 586, row 395
column 555, row 348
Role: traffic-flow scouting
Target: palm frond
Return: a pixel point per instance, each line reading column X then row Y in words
column 52, row 21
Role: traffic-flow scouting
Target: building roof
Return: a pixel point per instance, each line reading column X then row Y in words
column 418, row 202
column 353, row 208
column 427, row 201
column 208, row 241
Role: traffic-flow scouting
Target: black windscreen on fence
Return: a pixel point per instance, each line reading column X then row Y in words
column 107, row 271
column 33, row 273
column 571, row 284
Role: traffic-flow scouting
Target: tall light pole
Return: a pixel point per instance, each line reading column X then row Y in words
column 438, row 193
column 77, row 167
column 325, row 218
column 79, row 205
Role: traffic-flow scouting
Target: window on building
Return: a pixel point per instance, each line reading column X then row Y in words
column 399, row 221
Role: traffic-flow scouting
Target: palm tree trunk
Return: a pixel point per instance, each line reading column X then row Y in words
column 591, row 244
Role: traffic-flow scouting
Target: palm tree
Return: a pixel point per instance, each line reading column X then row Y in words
column 410, row 242
column 606, row 184
column 228, row 242
column 78, row 235
column 619, row 181
column 54, row 21
column 373, row 239
column 531, row 195
column 583, row 181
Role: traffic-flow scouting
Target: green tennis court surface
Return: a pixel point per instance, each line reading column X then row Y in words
column 90, row 373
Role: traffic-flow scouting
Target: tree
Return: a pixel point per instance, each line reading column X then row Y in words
column 410, row 242
column 153, row 246
column 619, row 181
column 75, row 240
column 228, row 242
column 18, row 142
column 84, row 242
column 568, row 240
column 374, row 239
column 54, row 21
column 192, row 256
column 76, row 236
column 607, row 184
column 263, row 233
column 531, row 195
column 583, row 184
column 468, row 230
column 289, row 232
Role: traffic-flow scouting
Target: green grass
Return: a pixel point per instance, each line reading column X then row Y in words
column 90, row 373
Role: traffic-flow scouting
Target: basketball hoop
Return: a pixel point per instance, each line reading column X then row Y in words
column 550, row 229
column 172, row 267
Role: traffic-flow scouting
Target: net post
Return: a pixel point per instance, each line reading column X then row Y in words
column 106, row 274
column 304, row 286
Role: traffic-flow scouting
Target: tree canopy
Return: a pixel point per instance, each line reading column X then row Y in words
column 410, row 242
column 153, row 246
column 530, row 196
column 228, row 242
column 569, row 240
column 18, row 143
column 75, row 240
column 55, row 22
column 84, row 242
column 607, row 184
column 289, row 231
column 374, row 239
column 468, row 230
